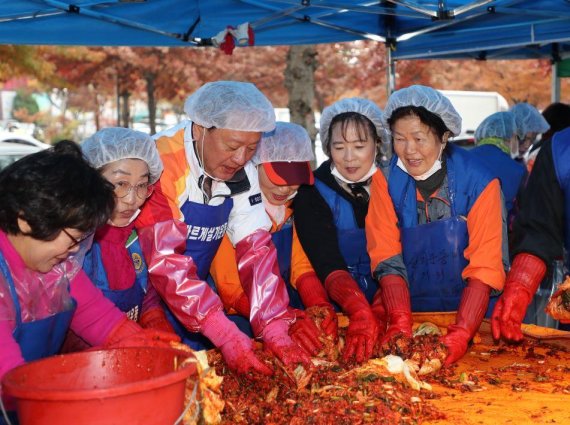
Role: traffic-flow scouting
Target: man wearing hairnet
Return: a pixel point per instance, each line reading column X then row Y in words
column 497, row 145
column 530, row 123
column 434, row 228
column 283, row 162
column 209, row 188
column 542, row 232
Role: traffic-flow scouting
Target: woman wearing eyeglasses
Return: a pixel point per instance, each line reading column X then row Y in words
column 128, row 160
column 52, row 201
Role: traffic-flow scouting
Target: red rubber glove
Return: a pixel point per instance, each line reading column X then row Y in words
column 129, row 334
column 362, row 331
column 522, row 282
column 155, row 318
column 235, row 346
column 277, row 340
column 470, row 314
column 396, row 297
column 242, row 306
column 305, row 333
column 313, row 294
column 379, row 312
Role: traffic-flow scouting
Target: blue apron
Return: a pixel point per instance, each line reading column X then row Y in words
column 207, row 226
column 128, row 300
column 433, row 252
column 283, row 241
column 40, row 338
column 351, row 240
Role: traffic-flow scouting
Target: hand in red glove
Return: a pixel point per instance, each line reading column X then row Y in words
column 235, row 346
column 396, row 297
column 305, row 333
column 362, row 331
column 277, row 340
column 128, row 334
column 155, row 318
column 470, row 314
column 313, row 294
column 379, row 312
column 526, row 273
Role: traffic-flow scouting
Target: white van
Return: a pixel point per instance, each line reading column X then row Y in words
column 14, row 146
column 474, row 107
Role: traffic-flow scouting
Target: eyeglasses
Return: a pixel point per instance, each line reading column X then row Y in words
column 142, row 190
column 75, row 240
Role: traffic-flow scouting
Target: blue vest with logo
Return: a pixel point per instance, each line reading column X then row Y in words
column 128, row 300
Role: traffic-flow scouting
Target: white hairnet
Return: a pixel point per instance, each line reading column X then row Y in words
column 528, row 120
column 288, row 142
column 116, row 143
column 231, row 105
column 355, row 104
column 430, row 99
column 499, row 124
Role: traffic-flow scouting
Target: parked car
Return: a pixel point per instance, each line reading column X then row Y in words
column 14, row 146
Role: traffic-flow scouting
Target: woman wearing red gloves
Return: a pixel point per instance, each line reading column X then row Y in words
column 435, row 227
column 52, row 201
column 283, row 164
column 329, row 218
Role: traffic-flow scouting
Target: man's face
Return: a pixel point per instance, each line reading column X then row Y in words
column 225, row 152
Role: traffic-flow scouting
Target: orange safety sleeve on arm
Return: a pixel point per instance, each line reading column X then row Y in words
column 300, row 263
column 485, row 249
column 225, row 273
column 382, row 232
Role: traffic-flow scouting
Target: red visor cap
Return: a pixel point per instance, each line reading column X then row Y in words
column 289, row 173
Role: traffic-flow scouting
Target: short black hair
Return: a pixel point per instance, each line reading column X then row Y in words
column 558, row 116
column 433, row 121
column 361, row 124
column 52, row 190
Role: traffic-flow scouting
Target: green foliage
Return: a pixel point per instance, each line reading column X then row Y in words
column 27, row 102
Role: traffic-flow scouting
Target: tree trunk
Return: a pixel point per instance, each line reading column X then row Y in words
column 125, row 110
column 151, row 100
column 300, row 84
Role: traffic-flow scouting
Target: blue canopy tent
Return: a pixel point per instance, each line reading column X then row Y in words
column 436, row 29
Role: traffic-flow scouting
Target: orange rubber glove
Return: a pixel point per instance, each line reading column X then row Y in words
column 526, row 273
column 470, row 314
column 396, row 297
column 362, row 332
column 313, row 294
column 155, row 318
column 129, row 334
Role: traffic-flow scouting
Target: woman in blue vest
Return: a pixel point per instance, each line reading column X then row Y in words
column 128, row 160
column 497, row 145
column 434, row 227
column 329, row 218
